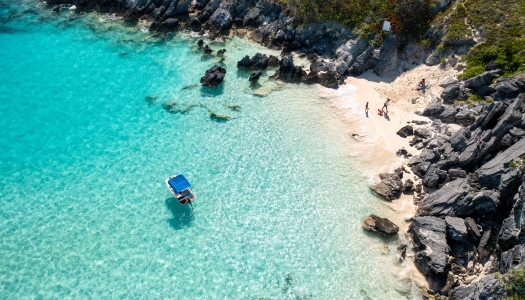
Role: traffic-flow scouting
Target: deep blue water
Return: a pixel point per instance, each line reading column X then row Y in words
column 83, row 158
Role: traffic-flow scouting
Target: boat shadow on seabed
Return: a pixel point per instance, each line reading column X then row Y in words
column 182, row 215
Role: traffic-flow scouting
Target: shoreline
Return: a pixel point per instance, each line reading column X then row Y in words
column 377, row 141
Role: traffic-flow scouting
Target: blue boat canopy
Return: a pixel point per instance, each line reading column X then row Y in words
column 179, row 183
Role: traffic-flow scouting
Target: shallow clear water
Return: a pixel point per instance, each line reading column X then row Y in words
column 84, row 209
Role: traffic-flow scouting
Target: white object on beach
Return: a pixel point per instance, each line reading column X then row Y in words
column 72, row 7
column 386, row 26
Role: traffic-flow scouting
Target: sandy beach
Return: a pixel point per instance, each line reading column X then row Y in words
column 377, row 141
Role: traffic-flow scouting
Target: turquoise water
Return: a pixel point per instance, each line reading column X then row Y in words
column 84, row 209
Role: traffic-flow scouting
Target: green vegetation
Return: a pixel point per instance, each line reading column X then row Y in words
column 502, row 29
column 457, row 29
column 408, row 17
column 514, row 284
column 513, row 165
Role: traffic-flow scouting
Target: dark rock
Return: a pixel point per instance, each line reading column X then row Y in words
column 405, row 131
column 473, row 230
column 213, row 76
column 512, row 228
column 167, row 25
column 454, row 199
column 486, row 202
column 288, row 72
column 456, row 173
column 221, row 52
column 506, row 88
column 409, row 186
column 207, row 50
column 477, row 81
column 379, row 225
column 511, row 258
column 390, row 186
column 456, row 229
column 431, row 178
column 434, row 108
column 423, row 132
column 490, row 174
column 489, row 287
column 458, row 140
column 273, row 61
column 402, row 250
column 403, row 153
column 429, row 236
column 450, row 93
column 200, row 43
column 329, row 79
column 195, row 24
column 255, row 76
column 448, row 81
column 362, row 63
column 220, row 20
column 257, row 62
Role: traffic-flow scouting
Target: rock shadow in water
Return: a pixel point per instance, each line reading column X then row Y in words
column 182, row 214
column 207, row 91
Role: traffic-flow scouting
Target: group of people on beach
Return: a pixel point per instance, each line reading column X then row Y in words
column 383, row 110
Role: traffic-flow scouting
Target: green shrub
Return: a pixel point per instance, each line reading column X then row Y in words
column 513, row 164
column 514, row 283
column 476, row 98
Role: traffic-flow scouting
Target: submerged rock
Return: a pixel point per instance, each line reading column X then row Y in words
column 213, row 76
column 382, row 226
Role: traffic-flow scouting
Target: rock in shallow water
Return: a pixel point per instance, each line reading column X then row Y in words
column 213, row 76
column 390, row 186
column 382, row 226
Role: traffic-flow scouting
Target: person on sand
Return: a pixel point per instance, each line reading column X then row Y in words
column 385, row 106
column 421, row 84
column 366, row 108
column 380, row 112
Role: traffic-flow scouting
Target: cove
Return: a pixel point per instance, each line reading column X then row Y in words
column 86, row 145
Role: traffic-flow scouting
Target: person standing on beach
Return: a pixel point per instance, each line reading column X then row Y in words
column 385, row 106
column 366, row 108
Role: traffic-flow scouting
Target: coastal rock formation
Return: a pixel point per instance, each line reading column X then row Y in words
column 429, row 236
column 255, row 76
column 257, row 62
column 379, row 225
column 390, row 186
column 288, row 72
column 213, row 76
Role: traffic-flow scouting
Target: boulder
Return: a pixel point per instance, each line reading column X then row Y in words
column 453, row 199
column 273, row 61
column 486, row 202
column 430, row 243
column 390, row 186
column 220, row 20
column 456, row 229
column 450, row 93
column 257, row 62
column 511, row 258
column 288, row 72
column 473, row 231
column 506, row 88
column 382, row 226
column 423, row 132
column 409, row 186
column 433, row 109
column 255, row 76
column 214, row 76
column 490, row 173
column 456, row 173
column 329, row 79
column 448, row 81
column 477, row 81
column 405, row 131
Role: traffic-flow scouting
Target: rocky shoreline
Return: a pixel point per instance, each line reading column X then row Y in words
column 334, row 51
column 469, row 187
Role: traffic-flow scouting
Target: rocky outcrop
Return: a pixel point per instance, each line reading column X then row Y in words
column 257, row 62
column 429, row 236
column 288, row 72
column 255, row 76
column 213, row 76
column 453, row 199
column 406, row 131
column 390, row 186
column 381, row 226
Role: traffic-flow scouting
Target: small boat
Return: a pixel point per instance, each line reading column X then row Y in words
column 179, row 187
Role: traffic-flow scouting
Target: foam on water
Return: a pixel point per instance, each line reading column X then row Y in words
column 85, row 212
